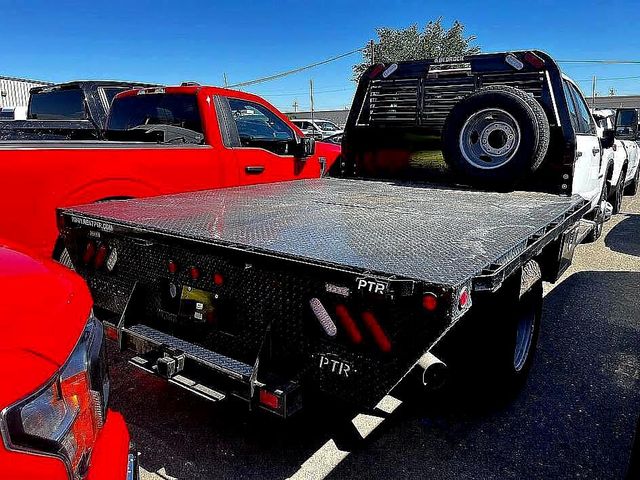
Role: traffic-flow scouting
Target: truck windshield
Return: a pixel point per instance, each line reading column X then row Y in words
column 179, row 110
column 65, row 104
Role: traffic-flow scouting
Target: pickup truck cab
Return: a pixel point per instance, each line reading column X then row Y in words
column 160, row 140
column 463, row 184
column 624, row 153
column 54, row 418
column 73, row 110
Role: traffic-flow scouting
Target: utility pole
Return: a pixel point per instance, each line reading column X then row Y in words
column 372, row 52
column 295, row 105
column 224, row 76
column 311, row 97
column 593, row 92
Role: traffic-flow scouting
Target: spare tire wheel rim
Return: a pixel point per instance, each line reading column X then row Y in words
column 490, row 138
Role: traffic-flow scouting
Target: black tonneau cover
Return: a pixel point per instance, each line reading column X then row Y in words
column 424, row 232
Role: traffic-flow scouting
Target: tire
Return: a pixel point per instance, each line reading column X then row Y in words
column 496, row 136
column 487, row 356
column 515, row 339
column 632, row 188
column 616, row 198
column 598, row 217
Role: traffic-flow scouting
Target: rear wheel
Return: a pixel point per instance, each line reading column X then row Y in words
column 515, row 339
column 616, row 200
column 632, row 188
column 496, row 136
column 494, row 349
column 599, row 216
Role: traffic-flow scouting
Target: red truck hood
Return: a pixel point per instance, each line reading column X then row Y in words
column 43, row 310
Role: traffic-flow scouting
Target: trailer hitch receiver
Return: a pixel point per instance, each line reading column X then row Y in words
column 171, row 362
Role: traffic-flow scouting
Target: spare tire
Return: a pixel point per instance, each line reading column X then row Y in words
column 496, row 136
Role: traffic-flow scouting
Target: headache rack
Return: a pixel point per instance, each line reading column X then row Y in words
column 426, row 101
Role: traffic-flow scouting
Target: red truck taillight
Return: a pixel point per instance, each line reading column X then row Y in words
column 63, row 418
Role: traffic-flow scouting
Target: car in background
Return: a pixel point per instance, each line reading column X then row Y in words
column 67, row 111
column 624, row 152
column 316, row 128
column 13, row 113
column 54, row 419
column 335, row 139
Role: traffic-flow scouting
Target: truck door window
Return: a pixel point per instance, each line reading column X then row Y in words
column 62, row 104
column 260, row 127
column 571, row 106
column 584, row 117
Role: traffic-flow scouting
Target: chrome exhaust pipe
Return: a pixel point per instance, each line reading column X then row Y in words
column 434, row 371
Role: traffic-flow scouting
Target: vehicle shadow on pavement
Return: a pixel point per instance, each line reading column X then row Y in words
column 625, row 236
column 574, row 418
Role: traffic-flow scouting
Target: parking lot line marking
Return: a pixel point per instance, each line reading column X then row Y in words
column 365, row 424
column 321, row 463
column 329, row 456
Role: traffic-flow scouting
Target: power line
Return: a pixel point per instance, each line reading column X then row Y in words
column 606, row 62
column 289, row 94
column 295, row 70
column 609, row 78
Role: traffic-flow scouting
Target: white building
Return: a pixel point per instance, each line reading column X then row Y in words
column 15, row 91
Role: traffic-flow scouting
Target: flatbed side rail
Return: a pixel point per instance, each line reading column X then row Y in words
column 492, row 277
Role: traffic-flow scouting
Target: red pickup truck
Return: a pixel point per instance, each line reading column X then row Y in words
column 159, row 141
column 54, row 420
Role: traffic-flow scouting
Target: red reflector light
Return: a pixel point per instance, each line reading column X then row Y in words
column 430, row 302
column 100, row 257
column 172, row 266
column 464, row 298
column 195, row 273
column 218, row 279
column 111, row 332
column 89, row 252
column 348, row 324
column 375, row 71
column 269, row 399
column 534, row 60
column 376, row 332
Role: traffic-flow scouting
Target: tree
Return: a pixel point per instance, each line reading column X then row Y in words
column 412, row 44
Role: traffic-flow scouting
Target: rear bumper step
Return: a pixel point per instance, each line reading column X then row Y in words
column 225, row 365
column 206, row 373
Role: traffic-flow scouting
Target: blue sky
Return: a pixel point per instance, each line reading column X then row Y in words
column 169, row 42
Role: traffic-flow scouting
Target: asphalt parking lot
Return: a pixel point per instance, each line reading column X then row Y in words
column 575, row 417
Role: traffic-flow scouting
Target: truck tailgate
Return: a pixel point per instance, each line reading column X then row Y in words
column 438, row 235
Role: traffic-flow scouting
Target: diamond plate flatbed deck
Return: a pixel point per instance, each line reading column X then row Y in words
column 425, row 232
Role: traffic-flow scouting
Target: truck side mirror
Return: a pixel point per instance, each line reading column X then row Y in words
column 627, row 123
column 306, row 147
column 608, row 138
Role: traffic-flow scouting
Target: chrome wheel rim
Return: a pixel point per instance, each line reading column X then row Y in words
column 524, row 339
column 489, row 138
